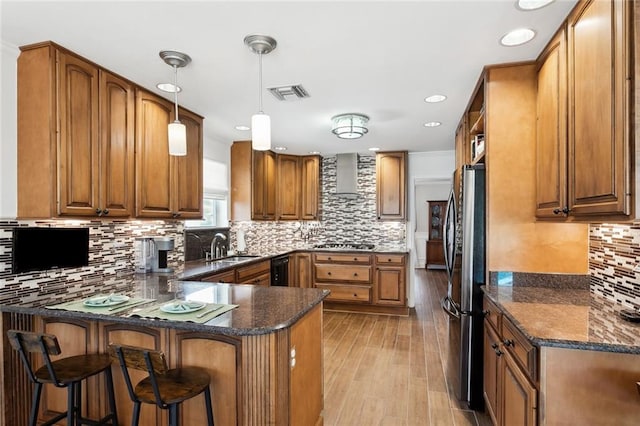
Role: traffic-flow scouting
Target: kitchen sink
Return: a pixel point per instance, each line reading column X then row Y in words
column 232, row 260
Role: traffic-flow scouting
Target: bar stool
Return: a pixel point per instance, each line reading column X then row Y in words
column 63, row 373
column 163, row 387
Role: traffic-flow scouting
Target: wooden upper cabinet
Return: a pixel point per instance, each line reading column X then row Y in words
column 551, row 129
column 288, row 194
column 599, row 128
column 166, row 186
column 391, row 185
column 188, row 178
column 117, row 149
column 263, row 178
column 154, row 165
column 78, row 146
column 88, row 170
column 310, row 184
column 462, row 151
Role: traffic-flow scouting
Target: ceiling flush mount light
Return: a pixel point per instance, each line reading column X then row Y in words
column 349, row 126
column 374, row 148
column 435, row 98
column 177, row 130
column 517, row 37
column 532, row 4
column 432, row 124
column 242, row 127
column 168, row 87
column 280, row 148
column 260, row 122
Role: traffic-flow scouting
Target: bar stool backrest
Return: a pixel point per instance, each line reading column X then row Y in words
column 29, row 342
column 152, row 361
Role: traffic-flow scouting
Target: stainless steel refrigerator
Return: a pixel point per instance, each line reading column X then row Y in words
column 464, row 245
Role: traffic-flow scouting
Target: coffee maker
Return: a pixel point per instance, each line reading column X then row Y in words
column 143, row 254
column 161, row 247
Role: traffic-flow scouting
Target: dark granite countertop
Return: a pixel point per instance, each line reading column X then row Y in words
column 566, row 316
column 261, row 310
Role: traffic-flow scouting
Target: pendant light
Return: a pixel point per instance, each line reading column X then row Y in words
column 177, row 130
column 260, row 122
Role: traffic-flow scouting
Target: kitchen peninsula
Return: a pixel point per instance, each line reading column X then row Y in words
column 260, row 355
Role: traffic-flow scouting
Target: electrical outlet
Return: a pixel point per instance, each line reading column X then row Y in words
column 636, row 268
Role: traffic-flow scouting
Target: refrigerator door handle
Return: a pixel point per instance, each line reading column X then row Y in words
column 449, row 307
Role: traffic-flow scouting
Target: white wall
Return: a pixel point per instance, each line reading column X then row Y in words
column 8, row 131
column 425, row 168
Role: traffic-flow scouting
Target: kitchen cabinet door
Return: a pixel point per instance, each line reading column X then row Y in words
column 491, row 371
column 117, row 150
column 551, row 129
column 518, row 395
column 390, row 286
column 599, row 129
column 263, row 179
column 188, row 195
column 78, row 166
column 154, row 168
column 310, row 184
column 288, row 190
column 302, row 271
column 391, row 185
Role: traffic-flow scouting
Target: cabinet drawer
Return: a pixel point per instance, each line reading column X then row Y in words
column 390, row 259
column 520, row 348
column 252, row 270
column 343, row 257
column 263, row 280
column 347, row 293
column 222, row 277
column 342, row 273
column 492, row 314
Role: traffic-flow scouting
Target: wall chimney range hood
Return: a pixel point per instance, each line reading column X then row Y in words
column 347, row 175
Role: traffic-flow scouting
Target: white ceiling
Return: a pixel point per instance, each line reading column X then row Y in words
column 380, row 58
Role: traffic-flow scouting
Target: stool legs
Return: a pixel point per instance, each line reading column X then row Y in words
column 135, row 418
column 173, row 414
column 207, row 401
column 112, row 398
column 35, row 404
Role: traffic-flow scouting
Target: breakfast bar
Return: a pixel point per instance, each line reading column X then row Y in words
column 262, row 346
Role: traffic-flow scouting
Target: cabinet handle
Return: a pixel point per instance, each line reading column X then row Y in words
column 328, row 273
column 388, row 260
column 105, row 212
column 355, row 274
column 176, row 214
column 565, row 211
column 99, row 212
column 355, row 294
column 355, row 259
column 508, row 342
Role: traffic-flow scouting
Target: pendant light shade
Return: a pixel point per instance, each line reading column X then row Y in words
column 177, row 139
column 260, row 132
column 177, row 132
column 260, row 122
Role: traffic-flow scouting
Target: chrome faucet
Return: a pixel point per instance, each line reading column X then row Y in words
column 218, row 248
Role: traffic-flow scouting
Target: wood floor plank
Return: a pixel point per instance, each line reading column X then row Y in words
column 387, row 370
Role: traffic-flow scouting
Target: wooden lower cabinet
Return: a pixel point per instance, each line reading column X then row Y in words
column 510, row 367
column 222, row 277
column 256, row 273
column 435, row 255
column 274, row 378
column 300, row 270
column 362, row 282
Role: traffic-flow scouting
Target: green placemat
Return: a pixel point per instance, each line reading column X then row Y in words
column 79, row 306
column 210, row 311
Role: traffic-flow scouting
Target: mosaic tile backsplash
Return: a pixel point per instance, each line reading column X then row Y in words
column 111, row 254
column 343, row 220
column 614, row 262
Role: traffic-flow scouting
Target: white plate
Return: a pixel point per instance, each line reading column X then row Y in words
column 182, row 307
column 109, row 300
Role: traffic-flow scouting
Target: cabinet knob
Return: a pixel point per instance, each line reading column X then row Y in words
column 355, row 294
column 508, row 342
column 105, row 212
column 486, row 313
column 99, row 212
column 329, row 258
column 355, row 274
column 565, row 211
column 176, row 214
column 388, row 260
column 494, row 346
column 328, row 273
column 355, row 259
column 498, row 352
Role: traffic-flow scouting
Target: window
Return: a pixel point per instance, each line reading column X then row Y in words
column 216, row 194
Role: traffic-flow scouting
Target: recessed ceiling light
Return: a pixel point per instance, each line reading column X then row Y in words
column 314, row 152
column 435, row 98
column 517, row 37
column 374, row 149
column 243, row 127
column 168, row 87
column 532, row 4
column 432, row 124
column 280, row 148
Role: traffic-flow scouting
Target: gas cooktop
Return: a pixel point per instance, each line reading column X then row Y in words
column 345, row 246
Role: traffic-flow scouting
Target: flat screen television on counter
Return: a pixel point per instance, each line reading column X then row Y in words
column 40, row 248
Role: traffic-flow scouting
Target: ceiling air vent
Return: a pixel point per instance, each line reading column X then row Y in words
column 289, row 93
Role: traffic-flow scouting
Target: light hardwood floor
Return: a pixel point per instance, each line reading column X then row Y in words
column 385, row 370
